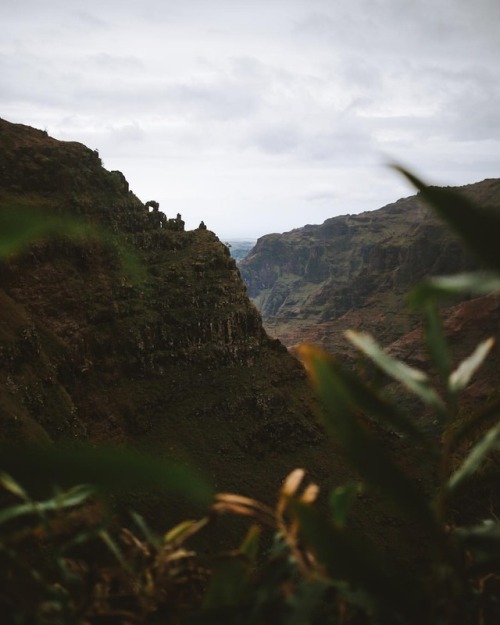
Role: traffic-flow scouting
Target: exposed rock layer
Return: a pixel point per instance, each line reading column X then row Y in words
column 354, row 271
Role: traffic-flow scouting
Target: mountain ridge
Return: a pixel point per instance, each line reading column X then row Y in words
column 354, row 271
column 178, row 362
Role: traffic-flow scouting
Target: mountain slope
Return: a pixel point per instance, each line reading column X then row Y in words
column 353, row 271
column 178, row 361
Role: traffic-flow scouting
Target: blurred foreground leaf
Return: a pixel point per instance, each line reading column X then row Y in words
column 489, row 442
column 67, row 499
column 363, row 449
column 483, row 540
column 472, row 283
column 415, row 380
column 436, row 342
column 341, row 500
column 354, row 559
column 20, row 226
column 110, row 469
column 464, row 372
column 478, row 227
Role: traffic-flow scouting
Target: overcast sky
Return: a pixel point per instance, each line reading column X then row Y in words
column 264, row 115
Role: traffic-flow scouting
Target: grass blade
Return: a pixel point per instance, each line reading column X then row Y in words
column 488, row 443
column 414, row 379
column 69, row 499
column 13, row 487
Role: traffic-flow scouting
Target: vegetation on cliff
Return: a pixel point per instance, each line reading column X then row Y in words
column 173, row 359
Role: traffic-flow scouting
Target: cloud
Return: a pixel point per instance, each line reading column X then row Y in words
column 276, row 139
column 262, row 108
column 321, row 194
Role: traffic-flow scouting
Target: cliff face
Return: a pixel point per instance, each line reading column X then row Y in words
column 353, row 271
column 177, row 360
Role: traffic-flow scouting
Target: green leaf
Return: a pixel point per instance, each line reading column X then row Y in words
column 184, row 530
column 488, row 443
column 341, row 500
column 363, row 449
column 479, row 227
column 475, row 283
column 108, row 468
column 152, row 538
column 20, row 226
column 13, row 487
column 111, row 544
column 250, row 545
column 414, row 379
column 74, row 496
column 388, row 415
column 304, row 602
column 354, row 559
column 482, row 540
column 436, row 342
column 229, row 584
column 464, row 372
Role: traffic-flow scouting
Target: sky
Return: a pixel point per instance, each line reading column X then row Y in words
column 265, row 115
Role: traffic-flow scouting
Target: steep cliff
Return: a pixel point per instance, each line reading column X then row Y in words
column 353, row 271
column 177, row 360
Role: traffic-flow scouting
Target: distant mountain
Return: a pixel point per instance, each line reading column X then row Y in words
column 239, row 248
column 312, row 283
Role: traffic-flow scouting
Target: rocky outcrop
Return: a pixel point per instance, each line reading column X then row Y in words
column 176, row 359
column 354, row 271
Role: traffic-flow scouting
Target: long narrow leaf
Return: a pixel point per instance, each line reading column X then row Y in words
column 250, row 545
column 385, row 413
column 478, row 226
column 436, row 343
column 74, row 497
column 464, row 372
column 488, row 443
column 229, row 584
column 341, row 500
column 472, row 283
column 355, row 559
column 483, row 540
column 365, row 452
column 20, row 226
column 111, row 544
column 10, row 484
column 414, row 379
column 109, row 468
